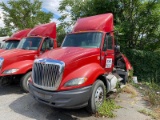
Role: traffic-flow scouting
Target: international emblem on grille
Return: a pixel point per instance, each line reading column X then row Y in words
column 42, row 61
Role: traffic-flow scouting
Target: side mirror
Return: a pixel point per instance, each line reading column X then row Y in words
column 117, row 48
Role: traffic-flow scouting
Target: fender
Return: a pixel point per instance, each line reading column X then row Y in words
column 90, row 71
column 128, row 64
column 23, row 67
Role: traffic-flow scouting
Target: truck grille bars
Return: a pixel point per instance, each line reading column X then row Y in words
column 47, row 73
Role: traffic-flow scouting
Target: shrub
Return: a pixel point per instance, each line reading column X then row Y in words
column 146, row 64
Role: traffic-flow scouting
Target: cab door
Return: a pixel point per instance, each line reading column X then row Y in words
column 107, row 53
column 46, row 45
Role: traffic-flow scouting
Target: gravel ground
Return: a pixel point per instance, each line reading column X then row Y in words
column 16, row 105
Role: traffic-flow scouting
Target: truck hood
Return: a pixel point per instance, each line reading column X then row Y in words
column 16, row 55
column 70, row 54
column 2, row 50
column 10, row 54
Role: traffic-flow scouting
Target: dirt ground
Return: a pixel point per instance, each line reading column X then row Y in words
column 16, row 105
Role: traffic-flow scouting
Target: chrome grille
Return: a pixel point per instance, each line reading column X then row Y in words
column 47, row 73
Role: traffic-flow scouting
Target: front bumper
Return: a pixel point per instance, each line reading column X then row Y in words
column 76, row 98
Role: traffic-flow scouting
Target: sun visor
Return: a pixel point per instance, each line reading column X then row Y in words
column 102, row 22
column 45, row 30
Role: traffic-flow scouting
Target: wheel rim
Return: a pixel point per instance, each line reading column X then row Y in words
column 99, row 96
column 29, row 78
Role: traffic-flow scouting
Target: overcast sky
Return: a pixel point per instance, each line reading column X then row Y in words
column 48, row 5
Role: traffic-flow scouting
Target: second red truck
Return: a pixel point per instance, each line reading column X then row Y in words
column 17, row 63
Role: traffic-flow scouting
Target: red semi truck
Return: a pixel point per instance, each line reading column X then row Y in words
column 13, row 41
column 18, row 62
column 79, row 72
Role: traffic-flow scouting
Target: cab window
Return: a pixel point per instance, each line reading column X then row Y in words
column 46, row 44
column 108, row 43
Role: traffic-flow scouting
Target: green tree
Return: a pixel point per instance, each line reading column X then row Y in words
column 136, row 20
column 21, row 14
column 5, row 32
column 60, row 34
column 139, row 22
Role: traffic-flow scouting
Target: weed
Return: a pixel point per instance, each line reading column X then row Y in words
column 152, row 97
column 157, row 112
column 148, row 113
column 107, row 108
column 150, row 91
column 130, row 75
column 135, row 84
column 130, row 89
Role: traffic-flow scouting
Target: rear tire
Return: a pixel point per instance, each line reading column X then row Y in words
column 97, row 96
column 24, row 81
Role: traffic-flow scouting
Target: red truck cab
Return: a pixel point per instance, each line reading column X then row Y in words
column 78, row 73
column 18, row 62
column 13, row 41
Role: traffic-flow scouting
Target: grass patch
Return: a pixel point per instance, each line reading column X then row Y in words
column 130, row 89
column 157, row 112
column 107, row 108
column 152, row 97
column 152, row 93
column 148, row 113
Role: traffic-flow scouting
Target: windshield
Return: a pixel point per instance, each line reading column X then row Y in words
column 10, row 44
column 30, row 43
column 86, row 40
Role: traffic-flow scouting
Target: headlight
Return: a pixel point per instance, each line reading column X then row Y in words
column 10, row 71
column 1, row 62
column 75, row 82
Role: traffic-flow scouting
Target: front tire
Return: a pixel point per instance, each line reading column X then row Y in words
column 24, row 81
column 97, row 96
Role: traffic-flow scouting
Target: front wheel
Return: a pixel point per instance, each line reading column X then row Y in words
column 97, row 96
column 25, row 80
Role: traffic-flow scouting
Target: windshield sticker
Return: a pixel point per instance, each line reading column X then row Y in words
column 108, row 63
